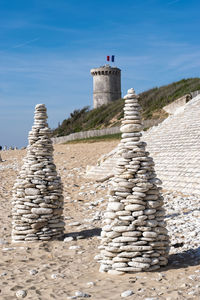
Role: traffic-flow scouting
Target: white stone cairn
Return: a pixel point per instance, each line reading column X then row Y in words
column 37, row 193
column 134, row 237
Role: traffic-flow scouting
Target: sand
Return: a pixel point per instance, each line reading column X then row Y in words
column 58, row 269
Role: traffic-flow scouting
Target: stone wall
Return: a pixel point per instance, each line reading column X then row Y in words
column 99, row 132
column 85, row 134
column 172, row 107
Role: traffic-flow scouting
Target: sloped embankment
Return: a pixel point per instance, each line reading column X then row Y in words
column 174, row 144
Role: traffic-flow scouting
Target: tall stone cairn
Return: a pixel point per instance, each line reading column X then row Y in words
column 134, row 237
column 37, row 193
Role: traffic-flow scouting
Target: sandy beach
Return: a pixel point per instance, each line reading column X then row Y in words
column 59, row 269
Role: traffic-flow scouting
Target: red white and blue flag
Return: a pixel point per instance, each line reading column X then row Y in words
column 111, row 58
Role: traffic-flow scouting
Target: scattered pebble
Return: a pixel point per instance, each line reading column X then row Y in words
column 80, row 237
column 126, row 293
column 75, row 224
column 82, row 295
column 21, row 294
column 54, row 276
column 8, row 249
column 90, row 283
column 68, row 239
column 74, row 247
column 33, row 272
column 3, row 242
column 183, row 221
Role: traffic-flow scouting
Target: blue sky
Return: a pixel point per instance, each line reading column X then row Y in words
column 47, row 48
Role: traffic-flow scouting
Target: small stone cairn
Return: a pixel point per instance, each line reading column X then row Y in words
column 37, row 193
column 134, row 237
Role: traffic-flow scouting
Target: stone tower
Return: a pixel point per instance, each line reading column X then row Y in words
column 106, row 85
column 37, row 193
column 134, row 237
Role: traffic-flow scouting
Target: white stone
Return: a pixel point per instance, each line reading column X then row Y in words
column 33, row 272
column 130, row 128
column 127, row 293
column 32, row 191
column 81, row 295
column 115, row 272
column 91, row 283
column 150, row 234
column 21, row 294
column 134, row 207
column 115, row 206
column 41, row 211
column 68, row 239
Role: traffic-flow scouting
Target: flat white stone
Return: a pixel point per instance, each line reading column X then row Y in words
column 134, row 207
column 32, row 191
column 115, row 206
column 125, row 239
column 68, row 239
column 127, row 293
column 41, row 211
column 114, row 272
column 130, row 128
column 139, row 265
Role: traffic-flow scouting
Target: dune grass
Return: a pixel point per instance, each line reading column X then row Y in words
column 151, row 101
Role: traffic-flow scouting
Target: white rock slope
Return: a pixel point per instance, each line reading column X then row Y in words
column 174, row 144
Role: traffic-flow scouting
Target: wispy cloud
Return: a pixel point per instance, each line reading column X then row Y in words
column 186, row 61
column 26, row 43
column 173, row 2
column 55, row 28
column 14, row 23
column 167, row 44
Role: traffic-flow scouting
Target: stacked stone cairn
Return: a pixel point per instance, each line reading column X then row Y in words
column 37, row 193
column 134, row 237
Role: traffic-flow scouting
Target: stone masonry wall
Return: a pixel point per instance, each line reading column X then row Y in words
column 106, row 85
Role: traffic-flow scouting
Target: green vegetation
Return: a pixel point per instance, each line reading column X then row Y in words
column 155, row 99
column 85, row 119
column 152, row 102
column 101, row 138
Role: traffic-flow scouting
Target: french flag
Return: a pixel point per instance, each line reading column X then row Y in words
column 111, row 58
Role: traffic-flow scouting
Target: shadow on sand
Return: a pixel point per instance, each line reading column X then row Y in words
column 182, row 259
column 84, row 234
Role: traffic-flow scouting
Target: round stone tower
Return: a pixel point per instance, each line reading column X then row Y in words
column 106, row 85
